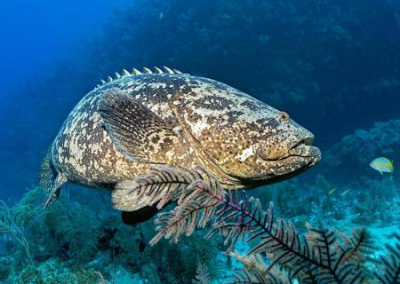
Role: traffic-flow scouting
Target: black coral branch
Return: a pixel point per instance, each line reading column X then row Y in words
column 322, row 256
column 202, row 275
column 196, row 207
column 391, row 263
column 165, row 183
column 257, row 271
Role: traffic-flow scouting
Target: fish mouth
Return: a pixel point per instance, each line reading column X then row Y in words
column 304, row 149
column 307, row 141
column 312, row 157
column 301, row 149
column 301, row 156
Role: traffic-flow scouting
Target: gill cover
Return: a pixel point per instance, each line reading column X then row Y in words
column 235, row 132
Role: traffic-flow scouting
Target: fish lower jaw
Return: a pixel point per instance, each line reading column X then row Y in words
column 307, row 152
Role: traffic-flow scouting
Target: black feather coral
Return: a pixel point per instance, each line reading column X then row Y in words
column 202, row 275
column 321, row 256
column 165, row 183
column 391, row 263
column 257, row 272
column 196, row 207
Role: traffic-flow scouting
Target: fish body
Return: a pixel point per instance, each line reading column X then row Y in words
column 345, row 192
column 332, row 191
column 382, row 165
column 126, row 126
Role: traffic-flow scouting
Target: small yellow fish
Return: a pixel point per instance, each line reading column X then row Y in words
column 332, row 191
column 382, row 165
column 345, row 192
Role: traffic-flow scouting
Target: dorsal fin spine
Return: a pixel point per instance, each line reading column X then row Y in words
column 125, row 73
column 147, row 70
column 134, row 72
column 158, row 70
column 168, row 70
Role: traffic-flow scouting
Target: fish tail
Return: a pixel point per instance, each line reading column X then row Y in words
column 50, row 180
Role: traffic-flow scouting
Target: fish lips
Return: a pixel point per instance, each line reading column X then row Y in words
column 297, row 160
column 311, row 154
column 308, row 154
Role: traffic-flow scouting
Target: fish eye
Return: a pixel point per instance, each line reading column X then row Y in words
column 284, row 116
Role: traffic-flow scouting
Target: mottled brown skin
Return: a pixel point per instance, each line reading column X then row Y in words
column 242, row 141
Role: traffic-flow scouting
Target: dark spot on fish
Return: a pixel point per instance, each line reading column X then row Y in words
column 155, row 139
column 251, row 105
column 213, row 102
column 272, row 122
column 233, row 115
column 167, row 140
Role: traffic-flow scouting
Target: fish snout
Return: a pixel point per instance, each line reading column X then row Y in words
column 279, row 148
column 304, row 148
column 273, row 148
column 315, row 155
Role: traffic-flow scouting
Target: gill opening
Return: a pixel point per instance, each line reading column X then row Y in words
column 204, row 158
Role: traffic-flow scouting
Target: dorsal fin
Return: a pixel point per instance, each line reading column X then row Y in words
column 134, row 72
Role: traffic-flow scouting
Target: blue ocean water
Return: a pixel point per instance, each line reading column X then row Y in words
column 332, row 65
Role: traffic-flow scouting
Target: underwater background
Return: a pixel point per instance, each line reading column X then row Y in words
column 333, row 65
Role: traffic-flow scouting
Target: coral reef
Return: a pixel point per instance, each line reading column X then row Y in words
column 70, row 242
column 370, row 202
column 356, row 151
column 74, row 243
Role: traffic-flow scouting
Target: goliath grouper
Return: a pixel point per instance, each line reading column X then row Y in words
column 123, row 128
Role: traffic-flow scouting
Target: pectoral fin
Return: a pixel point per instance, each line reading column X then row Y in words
column 135, row 130
column 128, row 196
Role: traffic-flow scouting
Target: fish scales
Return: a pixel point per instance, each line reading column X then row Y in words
column 122, row 128
column 75, row 150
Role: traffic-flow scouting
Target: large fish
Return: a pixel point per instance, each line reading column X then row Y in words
column 138, row 120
